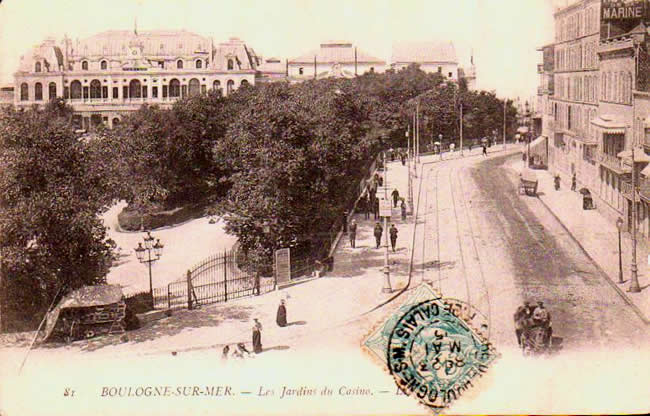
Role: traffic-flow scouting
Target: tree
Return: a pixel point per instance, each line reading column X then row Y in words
column 51, row 237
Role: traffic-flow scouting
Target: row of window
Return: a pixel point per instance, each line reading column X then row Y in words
column 106, row 49
column 580, row 23
column 576, row 57
column 198, row 64
column 577, row 88
column 135, row 89
column 616, row 87
column 575, row 118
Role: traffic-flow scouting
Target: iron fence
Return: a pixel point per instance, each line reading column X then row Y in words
column 215, row 279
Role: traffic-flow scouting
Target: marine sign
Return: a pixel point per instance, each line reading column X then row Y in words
column 615, row 10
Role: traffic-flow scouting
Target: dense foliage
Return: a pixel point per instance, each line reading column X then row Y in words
column 51, row 237
column 281, row 162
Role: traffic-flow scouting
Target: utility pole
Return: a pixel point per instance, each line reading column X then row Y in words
column 408, row 160
column 387, row 287
column 505, row 103
column 461, row 129
column 634, row 279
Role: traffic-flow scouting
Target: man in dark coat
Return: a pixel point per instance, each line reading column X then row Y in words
column 393, row 236
column 365, row 205
column 378, row 232
column 395, row 195
column 375, row 208
column 352, row 233
column 574, row 182
column 281, row 317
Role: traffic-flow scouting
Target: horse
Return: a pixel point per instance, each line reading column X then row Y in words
column 534, row 340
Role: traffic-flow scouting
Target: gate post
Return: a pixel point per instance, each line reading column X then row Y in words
column 189, row 290
column 225, row 275
column 169, row 296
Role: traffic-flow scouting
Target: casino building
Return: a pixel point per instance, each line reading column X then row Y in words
column 112, row 73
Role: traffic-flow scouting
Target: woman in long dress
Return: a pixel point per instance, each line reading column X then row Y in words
column 281, row 317
column 257, row 337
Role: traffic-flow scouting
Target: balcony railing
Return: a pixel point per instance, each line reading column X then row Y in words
column 610, row 161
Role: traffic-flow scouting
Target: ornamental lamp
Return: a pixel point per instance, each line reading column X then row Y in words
column 139, row 252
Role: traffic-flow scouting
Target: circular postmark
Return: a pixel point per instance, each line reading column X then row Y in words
column 433, row 354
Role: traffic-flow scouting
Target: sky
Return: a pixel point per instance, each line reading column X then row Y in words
column 503, row 34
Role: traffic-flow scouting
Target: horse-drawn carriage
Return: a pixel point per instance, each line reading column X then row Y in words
column 534, row 331
column 528, row 183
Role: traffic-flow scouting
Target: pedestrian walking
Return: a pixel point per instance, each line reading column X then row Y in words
column 352, row 233
column 395, row 195
column 257, row 336
column 380, row 181
column 403, row 209
column 573, row 182
column 403, row 158
column 393, row 236
column 484, row 149
column 224, row 353
column 281, row 316
column 379, row 230
column 470, row 146
column 452, row 146
column 366, row 206
column 375, row 208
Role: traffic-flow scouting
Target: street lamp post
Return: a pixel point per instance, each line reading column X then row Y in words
column 619, row 225
column 634, row 280
column 149, row 246
column 528, row 133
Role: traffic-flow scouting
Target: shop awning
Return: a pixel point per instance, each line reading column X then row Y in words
column 646, row 171
column 639, row 155
column 609, row 125
column 522, row 129
column 538, row 143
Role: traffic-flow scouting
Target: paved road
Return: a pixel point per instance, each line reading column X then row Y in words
column 483, row 243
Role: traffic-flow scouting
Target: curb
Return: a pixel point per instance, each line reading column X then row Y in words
column 611, row 282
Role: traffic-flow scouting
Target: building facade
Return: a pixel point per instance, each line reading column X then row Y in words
column 570, row 92
column 599, row 113
column 112, row 73
column 333, row 59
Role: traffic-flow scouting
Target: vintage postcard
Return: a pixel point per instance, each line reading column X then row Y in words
column 324, row 207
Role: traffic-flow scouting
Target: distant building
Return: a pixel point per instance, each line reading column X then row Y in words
column 430, row 56
column 333, row 59
column 6, row 96
column 271, row 69
column 111, row 73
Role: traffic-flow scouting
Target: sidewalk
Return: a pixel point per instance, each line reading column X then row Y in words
column 365, row 258
column 599, row 239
